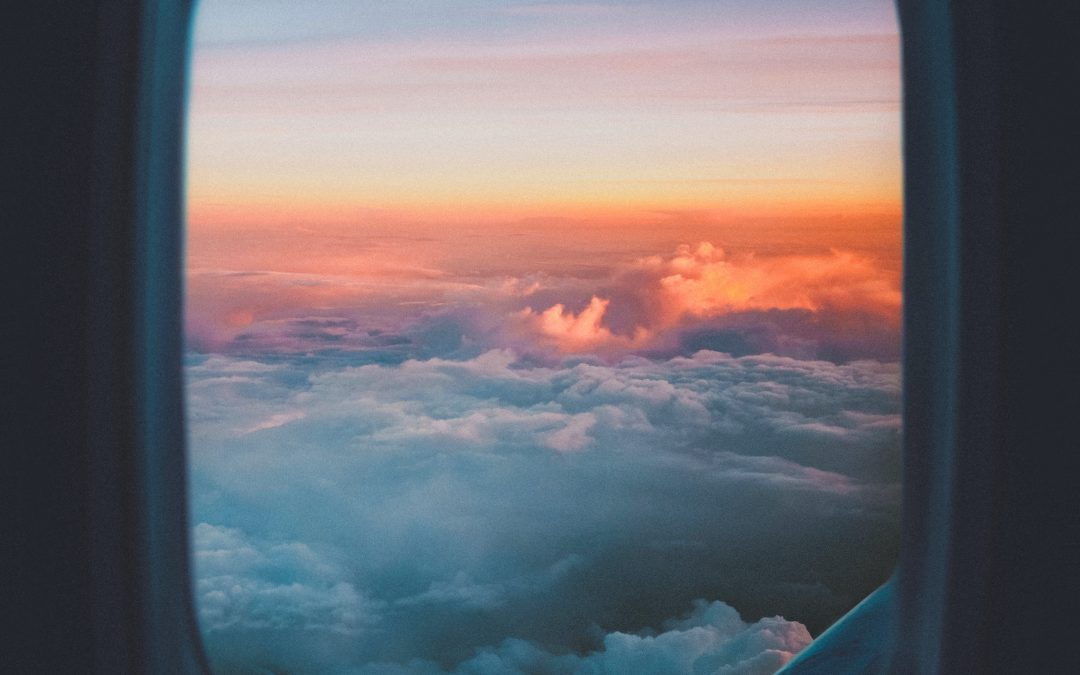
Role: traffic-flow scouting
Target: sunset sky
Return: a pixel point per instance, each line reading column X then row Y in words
column 540, row 337
column 493, row 111
column 450, row 143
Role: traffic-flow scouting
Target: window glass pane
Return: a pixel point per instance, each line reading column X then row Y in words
column 540, row 337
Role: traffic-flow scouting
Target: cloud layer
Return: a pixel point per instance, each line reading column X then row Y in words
column 465, row 515
column 836, row 305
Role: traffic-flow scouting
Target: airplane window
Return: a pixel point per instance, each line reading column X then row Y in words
column 545, row 337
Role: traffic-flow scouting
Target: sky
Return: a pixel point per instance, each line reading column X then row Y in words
column 540, row 337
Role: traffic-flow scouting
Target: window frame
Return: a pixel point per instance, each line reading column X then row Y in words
column 99, row 512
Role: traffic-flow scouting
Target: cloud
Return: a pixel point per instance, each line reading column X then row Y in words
column 704, row 281
column 277, row 420
column 438, row 515
column 464, row 592
column 701, row 290
column 712, row 639
column 837, row 305
column 581, row 332
column 248, row 584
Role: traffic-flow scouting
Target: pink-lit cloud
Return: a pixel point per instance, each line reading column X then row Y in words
column 581, row 332
column 701, row 283
column 699, row 296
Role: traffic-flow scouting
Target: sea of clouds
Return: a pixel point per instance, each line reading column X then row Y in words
column 675, row 464
column 500, row 514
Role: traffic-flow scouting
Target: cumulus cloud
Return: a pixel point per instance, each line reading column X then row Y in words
column 837, row 305
column 249, row 584
column 581, row 332
column 712, row 639
column 661, row 298
column 436, row 515
column 704, row 281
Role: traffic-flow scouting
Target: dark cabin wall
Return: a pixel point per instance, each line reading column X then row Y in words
column 52, row 232
column 94, row 515
column 987, row 567
column 94, row 535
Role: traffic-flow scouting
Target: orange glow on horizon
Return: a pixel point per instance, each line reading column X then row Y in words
column 373, row 175
column 349, row 241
